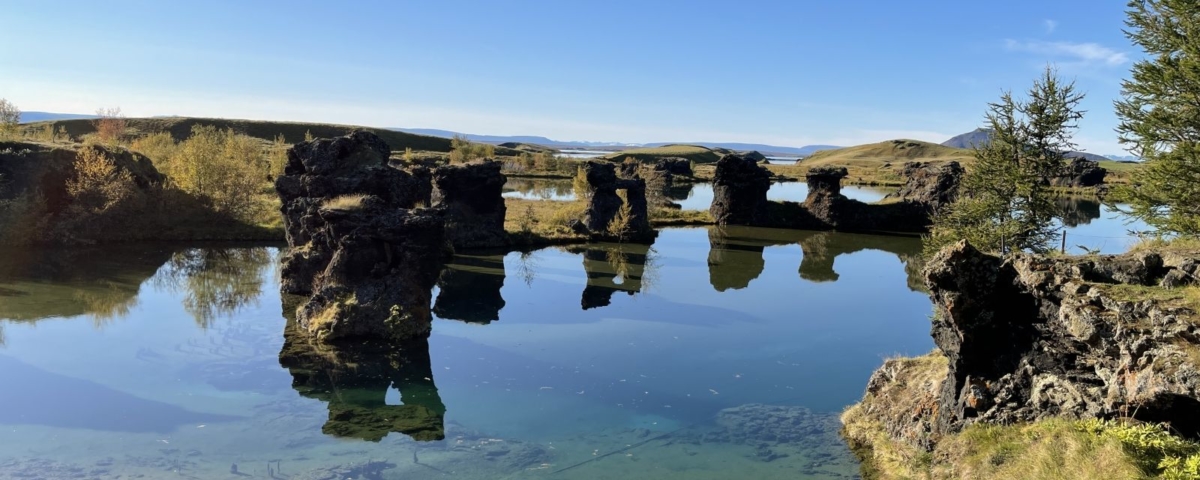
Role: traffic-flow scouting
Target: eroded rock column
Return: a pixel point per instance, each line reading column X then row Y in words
column 366, row 259
column 470, row 194
column 740, row 192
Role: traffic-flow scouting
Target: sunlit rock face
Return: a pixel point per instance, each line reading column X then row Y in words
column 365, row 256
column 615, row 199
column 470, row 195
column 933, row 185
column 740, row 192
column 1031, row 337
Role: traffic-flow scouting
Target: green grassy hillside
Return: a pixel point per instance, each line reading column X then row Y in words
column 293, row 132
column 890, row 151
column 694, row 153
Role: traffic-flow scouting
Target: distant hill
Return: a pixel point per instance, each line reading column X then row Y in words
column 31, row 117
column 500, row 139
column 528, row 147
column 695, row 153
column 982, row 136
column 892, row 151
column 978, row 136
column 293, row 132
column 770, row 150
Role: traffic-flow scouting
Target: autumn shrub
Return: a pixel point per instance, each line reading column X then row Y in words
column 222, row 168
column 110, row 125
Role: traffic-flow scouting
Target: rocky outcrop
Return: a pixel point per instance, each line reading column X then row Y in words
column 933, row 185
column 832, row 210
column 1028, row 338
column 740, row 198
column 470, row 195
column 675, row 166
column 740, row 192
column 365, row 256
column 605, row 204
column 1031, row 337
column 1080, row 173
column 661, row 180
column 27, row 167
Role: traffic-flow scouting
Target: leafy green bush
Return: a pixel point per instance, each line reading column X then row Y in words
column 1156, row 451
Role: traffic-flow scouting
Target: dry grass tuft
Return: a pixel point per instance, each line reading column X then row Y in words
column 345, row 202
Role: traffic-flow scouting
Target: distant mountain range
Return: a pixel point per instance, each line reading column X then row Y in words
column 498, row 139
column 981, row 136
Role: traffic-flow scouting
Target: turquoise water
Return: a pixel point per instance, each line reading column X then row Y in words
column 714, row 353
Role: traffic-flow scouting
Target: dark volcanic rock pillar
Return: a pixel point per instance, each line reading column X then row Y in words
column 739, row 192
column 367, row 260
column 470, row 194
column 606, row 204
column 933, row 186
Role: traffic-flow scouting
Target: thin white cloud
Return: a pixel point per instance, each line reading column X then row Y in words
column 1050, row 25
column 1086, row 53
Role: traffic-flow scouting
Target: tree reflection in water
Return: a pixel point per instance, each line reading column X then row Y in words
column 215, row 282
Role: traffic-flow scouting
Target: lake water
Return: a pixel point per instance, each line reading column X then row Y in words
column 689, row 196
column 713, row 353
column 580, row 153
column 1089, row 225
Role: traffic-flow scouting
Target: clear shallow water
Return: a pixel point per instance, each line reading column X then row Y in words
column 668, row 361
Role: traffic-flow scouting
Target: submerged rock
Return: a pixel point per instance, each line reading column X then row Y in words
column 606, row 204
column 470, row 194
column 367, row 257
column 739, row 192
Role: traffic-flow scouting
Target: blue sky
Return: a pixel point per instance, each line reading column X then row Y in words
column 787, row 72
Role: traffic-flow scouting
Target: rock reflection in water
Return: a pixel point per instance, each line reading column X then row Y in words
column 614, row 267
column 735, row 256
column 1076, row 211
column 354, row 382
column 470, row 289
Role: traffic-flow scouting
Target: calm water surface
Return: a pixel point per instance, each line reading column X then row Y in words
column 713, row 353
column 690, row 196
